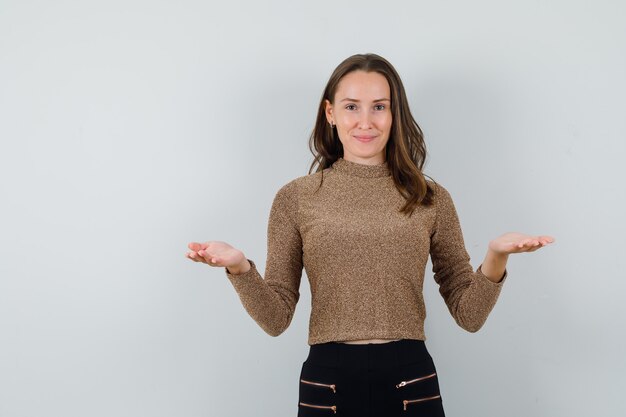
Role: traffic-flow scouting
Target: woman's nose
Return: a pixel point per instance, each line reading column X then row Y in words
column 364, row 120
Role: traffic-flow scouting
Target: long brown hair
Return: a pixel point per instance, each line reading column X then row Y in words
column 405, row 150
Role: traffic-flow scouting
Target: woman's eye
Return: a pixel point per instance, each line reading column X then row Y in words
column 350, row 107
column 380, row 107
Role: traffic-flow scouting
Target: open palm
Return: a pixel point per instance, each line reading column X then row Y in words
column 215, row 253
column 514, row 242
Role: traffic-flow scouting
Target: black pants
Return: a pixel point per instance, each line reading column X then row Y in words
column 372, row 380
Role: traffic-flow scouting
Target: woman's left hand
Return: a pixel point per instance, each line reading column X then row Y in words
column 514, row 242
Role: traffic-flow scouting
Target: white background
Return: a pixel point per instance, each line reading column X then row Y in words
column 129, row 128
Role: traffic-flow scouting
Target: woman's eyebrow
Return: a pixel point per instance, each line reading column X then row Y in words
column 358, row 101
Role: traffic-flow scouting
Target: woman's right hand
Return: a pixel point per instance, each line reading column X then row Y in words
column 216, row 253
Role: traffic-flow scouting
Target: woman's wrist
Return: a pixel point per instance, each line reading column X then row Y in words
column 494, row 265
column 240, row 268
column 497, row 256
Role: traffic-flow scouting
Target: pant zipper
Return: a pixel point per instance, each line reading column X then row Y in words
column 331, row 407
column 403, row 383
column 405, row 402
column 331, row 386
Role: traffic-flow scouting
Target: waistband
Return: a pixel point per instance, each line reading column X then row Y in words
column 371, row 355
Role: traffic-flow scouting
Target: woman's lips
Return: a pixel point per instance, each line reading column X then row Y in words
column 364, row 138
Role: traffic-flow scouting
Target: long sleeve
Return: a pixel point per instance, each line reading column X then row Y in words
column 470, row 296
column 271, row 302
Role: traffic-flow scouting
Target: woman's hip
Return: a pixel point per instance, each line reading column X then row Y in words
column 394, row 378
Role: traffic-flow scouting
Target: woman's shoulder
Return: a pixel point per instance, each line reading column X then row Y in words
column 298, row 185
column 441, row 195
column 437, row 187
column 303, row 182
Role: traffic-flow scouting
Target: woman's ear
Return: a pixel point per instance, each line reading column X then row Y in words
column 328, row 107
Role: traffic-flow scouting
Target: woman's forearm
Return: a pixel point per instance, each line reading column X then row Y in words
column 494, row 265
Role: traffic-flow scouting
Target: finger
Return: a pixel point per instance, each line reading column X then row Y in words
column 194, row 256
column 190, row 256
column 194, row 246
column 209, row 258
column 548, row 239
column 214, row 260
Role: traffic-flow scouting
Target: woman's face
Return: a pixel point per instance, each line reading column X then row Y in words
column 361, row 109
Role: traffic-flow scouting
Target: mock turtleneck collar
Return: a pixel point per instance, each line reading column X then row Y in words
column 361, row 170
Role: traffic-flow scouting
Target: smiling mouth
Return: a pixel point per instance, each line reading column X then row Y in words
column 364, row 138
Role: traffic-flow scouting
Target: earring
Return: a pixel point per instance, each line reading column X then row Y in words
column 331, row 124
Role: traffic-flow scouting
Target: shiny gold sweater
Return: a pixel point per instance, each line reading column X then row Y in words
column 365, row 261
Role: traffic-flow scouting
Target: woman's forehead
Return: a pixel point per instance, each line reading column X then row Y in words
column 361, row 85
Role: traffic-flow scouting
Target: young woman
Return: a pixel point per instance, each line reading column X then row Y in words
column 362, row 226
